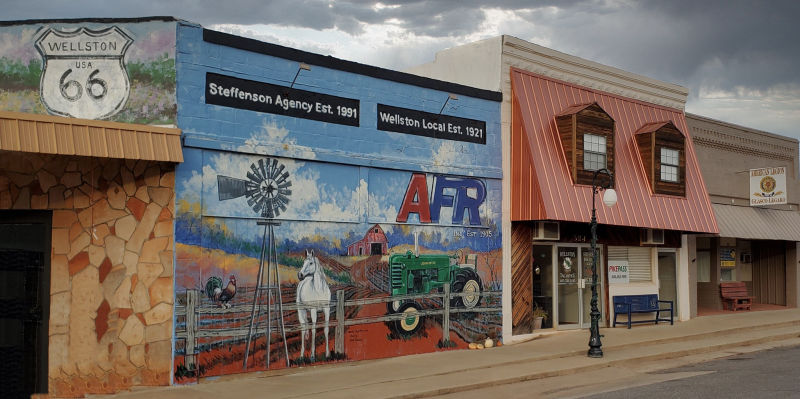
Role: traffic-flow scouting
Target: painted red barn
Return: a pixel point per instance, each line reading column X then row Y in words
column 373, row 243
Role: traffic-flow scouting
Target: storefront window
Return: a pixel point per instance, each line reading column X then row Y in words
column 727, row 274
column 640, row 263
column 703, row 266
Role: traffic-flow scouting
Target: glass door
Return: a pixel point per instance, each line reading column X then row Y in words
column 543, row 285
column 568, row 278
column 574, row 282
column 586, row 269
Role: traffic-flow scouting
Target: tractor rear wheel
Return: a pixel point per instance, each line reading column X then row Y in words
column 467, row 281
column 412, row 322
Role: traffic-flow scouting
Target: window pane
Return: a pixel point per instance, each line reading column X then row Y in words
column 594, row 152
column 669, row 173
column 594, row 143
column 592, row 161
column 726, row 274
column 669, row 156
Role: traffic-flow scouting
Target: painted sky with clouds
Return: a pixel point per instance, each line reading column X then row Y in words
column 738, row 58
column 327, row 199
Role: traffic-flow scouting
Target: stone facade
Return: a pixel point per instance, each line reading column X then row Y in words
column 111, row 266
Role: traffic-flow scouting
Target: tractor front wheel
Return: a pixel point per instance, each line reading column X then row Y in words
column 412, row 321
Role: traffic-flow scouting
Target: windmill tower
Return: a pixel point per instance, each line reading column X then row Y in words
column 267, row 191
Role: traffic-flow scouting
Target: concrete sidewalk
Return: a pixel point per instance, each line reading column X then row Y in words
column 438, row 373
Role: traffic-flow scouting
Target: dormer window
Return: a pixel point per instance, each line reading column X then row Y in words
column 587, row 137
column 661, row 148
column 594, row 152
column 670, row 162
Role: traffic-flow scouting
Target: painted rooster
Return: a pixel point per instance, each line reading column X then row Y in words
column 218, row 294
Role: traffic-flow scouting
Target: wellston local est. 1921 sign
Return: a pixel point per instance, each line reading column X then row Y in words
column 768, row 186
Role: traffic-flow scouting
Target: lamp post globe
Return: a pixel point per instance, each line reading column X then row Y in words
column 609, row 199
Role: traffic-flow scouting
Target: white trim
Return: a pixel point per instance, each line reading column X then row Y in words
column 557, row 65
column 684, row 296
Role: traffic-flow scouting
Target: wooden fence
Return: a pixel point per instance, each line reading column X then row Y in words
column 192, row 310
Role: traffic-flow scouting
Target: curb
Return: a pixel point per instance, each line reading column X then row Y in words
column 604, row 364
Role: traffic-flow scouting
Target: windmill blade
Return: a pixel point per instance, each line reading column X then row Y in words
column 255, row 173
column 285, row 185
column 283, row 177
column 273, row 210
column 269, row 169
column 280, row 169
column 253, row 178
column 230, row 188
column 281, row 202
column 264, row 175
column 252, row 189
column 258, row 205
column 274, row 167
column 267, row 213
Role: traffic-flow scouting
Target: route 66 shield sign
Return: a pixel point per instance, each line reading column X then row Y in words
column 84, row 75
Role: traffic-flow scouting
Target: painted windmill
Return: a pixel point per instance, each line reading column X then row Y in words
column 267, row 189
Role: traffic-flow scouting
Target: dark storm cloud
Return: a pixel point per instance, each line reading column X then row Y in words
column 717, row 44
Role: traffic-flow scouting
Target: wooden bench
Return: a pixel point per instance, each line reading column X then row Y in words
column 735, row 292
column 647, row 303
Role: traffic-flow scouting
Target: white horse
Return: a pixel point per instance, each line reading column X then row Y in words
column 312, row 294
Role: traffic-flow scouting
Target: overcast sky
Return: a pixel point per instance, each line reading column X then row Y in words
column 739, row 59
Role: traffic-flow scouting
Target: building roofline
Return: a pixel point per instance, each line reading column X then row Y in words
column 97, row 20
column 745, row 129
column 256, row 46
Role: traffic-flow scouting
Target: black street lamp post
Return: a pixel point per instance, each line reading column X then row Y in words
column 610, row 199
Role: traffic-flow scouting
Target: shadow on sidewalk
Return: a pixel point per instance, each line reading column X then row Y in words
column 756, row 307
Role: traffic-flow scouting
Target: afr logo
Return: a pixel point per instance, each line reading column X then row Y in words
column 460, row 194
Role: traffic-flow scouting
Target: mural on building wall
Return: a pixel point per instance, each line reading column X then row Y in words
column 322, row 281
column 123, row 72
column 384, row 197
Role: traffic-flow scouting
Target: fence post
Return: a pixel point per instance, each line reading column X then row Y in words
column 191, row 328
column 338, row 345
column 446, row 314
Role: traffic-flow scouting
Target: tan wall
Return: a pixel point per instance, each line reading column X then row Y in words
column 111, row 270
column 727, row 152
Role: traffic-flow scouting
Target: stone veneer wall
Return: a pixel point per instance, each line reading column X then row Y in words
column 111, row 291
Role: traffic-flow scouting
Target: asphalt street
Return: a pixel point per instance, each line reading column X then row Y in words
column 773, row 373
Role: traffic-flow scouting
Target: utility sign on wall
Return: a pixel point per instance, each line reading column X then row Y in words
column 768, row 186
column 618, row 272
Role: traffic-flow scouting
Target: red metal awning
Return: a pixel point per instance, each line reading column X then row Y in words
column 542, row 189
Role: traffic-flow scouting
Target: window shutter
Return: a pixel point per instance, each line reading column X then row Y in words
column 639, row 261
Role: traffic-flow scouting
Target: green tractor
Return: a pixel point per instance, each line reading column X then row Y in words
column 412, row 273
